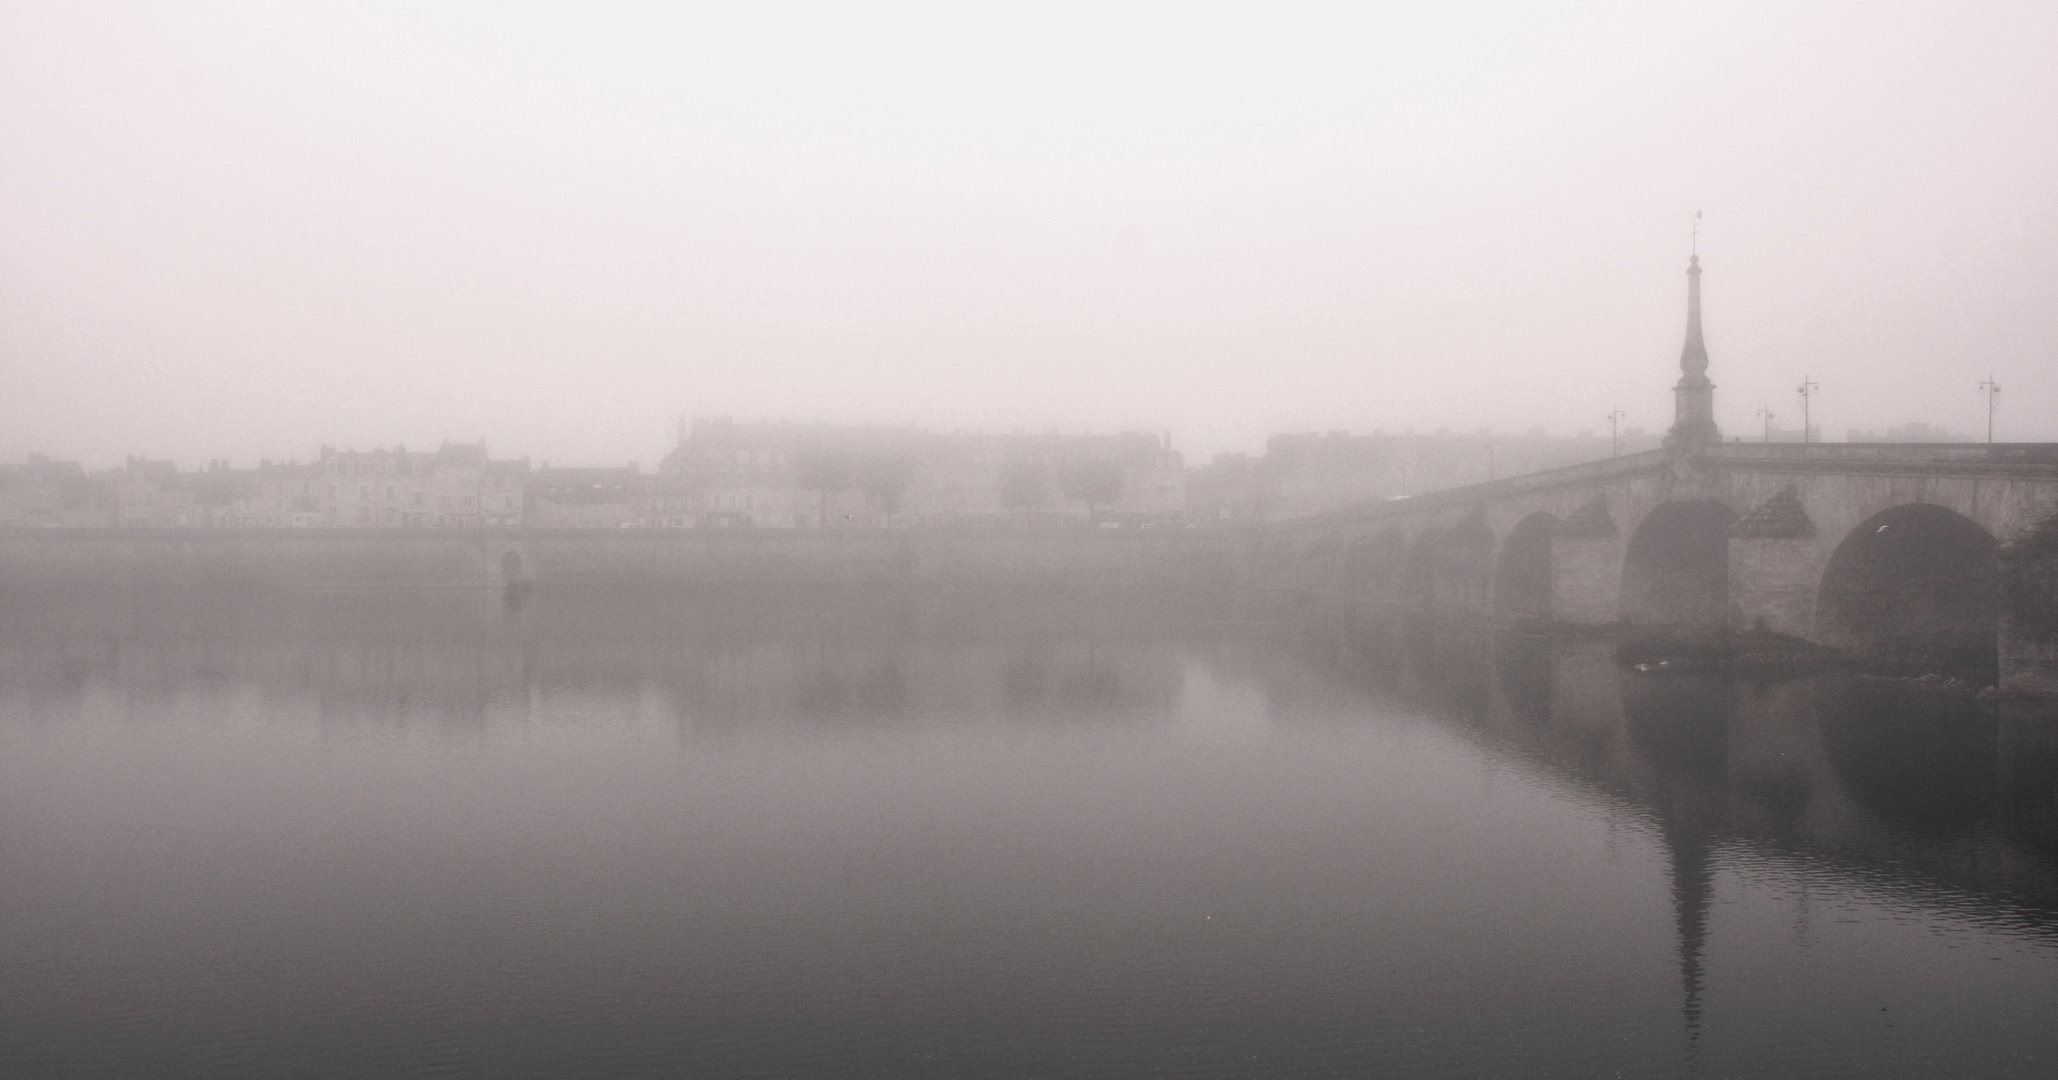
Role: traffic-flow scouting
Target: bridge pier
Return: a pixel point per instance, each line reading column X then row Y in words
column 1772, row 584
column 2029, row 611
column 1774, row 566
column 1586, row 567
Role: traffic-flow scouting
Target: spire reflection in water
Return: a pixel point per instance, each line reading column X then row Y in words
column 929, row 833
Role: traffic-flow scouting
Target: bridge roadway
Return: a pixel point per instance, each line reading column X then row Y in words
column 1914, row 553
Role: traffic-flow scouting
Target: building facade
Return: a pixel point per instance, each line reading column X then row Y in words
column 771, row 475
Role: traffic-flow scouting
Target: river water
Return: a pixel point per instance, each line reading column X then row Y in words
column 990, row 834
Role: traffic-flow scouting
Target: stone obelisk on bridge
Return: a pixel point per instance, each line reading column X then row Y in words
column 1693, row 406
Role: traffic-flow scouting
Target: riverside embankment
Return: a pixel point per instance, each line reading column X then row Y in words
column 34, row 561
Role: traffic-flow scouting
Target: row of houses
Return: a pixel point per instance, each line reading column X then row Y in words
column 720, row 475
column 456, row 486
column 821, row 476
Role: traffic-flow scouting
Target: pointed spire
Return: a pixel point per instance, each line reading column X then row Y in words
column 1687, row 843
column 1693, row 416
column 1693, row 359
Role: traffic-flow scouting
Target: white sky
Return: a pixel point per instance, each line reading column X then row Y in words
column 246, row 229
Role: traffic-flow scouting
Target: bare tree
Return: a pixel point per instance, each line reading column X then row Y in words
column 1095, row 482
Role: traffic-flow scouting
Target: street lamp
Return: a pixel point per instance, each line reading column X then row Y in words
column 1808, row 388
column 1993, row 391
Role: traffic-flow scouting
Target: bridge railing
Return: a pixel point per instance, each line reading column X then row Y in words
column 2003, row 460
column 1568, row 476
column 1927, row 459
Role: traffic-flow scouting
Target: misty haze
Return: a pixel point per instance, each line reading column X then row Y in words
column 924, row 541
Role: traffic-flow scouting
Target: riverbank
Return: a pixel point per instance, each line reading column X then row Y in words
column 40, row 560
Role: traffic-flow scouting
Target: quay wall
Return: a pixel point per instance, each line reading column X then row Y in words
column 43, row 559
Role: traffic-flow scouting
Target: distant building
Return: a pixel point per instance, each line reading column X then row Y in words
column 503, row 492
column 862, row 476
column 42, row 493
column 376, row 489
column 601, row 498
column 1907, row 433
column 151, row 495
column 1230, row 490
column 744, row 475
column 671, row 502
column 280, row 496
column 456, row 487
column 220, row 495
column 721, row 475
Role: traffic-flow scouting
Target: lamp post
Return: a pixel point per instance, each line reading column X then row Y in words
column 1615, row 431
column 1765, row 414
column 1808, row 388
column 1992, row 390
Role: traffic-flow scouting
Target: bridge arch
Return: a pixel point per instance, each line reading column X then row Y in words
column 1918, row 584
column 1676, row 569
column 1274, row 561
column 1924, row 758
column 1320, row 562
column 1522, row 667
column 1451, row 566
column 1373, row 566
column 1522, row 575
column 1419, row 576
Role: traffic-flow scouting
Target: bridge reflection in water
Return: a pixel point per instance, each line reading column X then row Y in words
column 1810, row 764
column 1914, row 789
column 1913, row 784
column 1944, row 787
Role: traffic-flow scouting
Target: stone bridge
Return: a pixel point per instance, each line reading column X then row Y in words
column 1944, row 555
column 1896, row 552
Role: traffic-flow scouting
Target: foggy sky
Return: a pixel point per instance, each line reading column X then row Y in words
column 247, row 229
